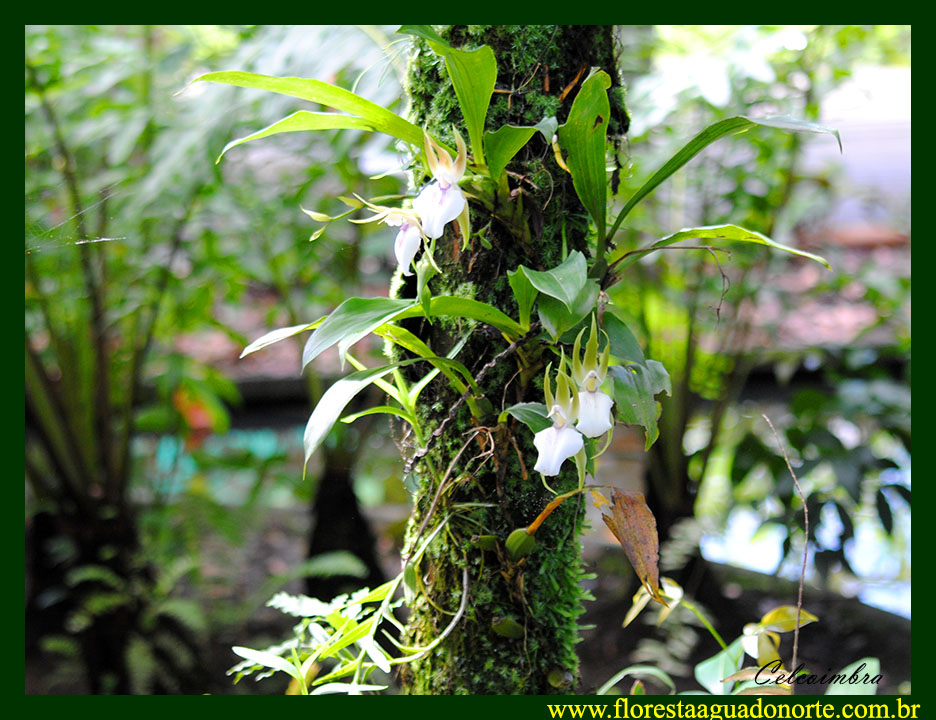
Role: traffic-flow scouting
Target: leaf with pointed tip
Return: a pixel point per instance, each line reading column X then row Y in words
column 333, row 402
column 564, row 282
column 531, row 414
column 710, row 673
column 473, row 73
column 524, row 292
column 274, row 336
column 501, row 145
column 720, row 129
column 268, row 659
column 351, row 321
column 584, row 136
column 304, row 120
column 635, row 390
column 732, row 233
column 326, row 94
column 634, row 526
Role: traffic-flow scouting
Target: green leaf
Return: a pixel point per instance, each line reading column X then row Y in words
column 557, row 320
column 531, row 414
column 731, row 233
column 723, row 128
column 645, row 670
column 426, row 32
column 304, row 120
column 623, row 343
column 333, row 402
column 635, row 390
column 584, row 138
column 524, row 292
column 872, row 668
column 473, row 74
column 502, row 144
column 351, row 321
column 709, row 673
column 564, row 282
column 471, row 309
column 267, row 659
column 325, row 94
column 380, row 410
column 274, row 336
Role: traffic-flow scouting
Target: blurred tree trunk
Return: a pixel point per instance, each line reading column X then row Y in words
column 520, row 622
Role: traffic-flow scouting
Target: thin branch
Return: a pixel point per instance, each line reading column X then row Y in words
column 802, row 579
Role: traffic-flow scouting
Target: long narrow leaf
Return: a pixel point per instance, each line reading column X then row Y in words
column 325, row 94
column 304, row 120
column 732, row 233
column 468, row 308
column 723, row 128
column 274, row 336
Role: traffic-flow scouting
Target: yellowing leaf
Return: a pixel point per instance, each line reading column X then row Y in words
column 635, row 528
column 599, row 500
column 783, row 619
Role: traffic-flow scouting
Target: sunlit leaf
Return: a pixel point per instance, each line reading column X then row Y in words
column 583, row 137
column 783, row 619
column 324, row 93
column 274, row 336
column 304, row 120
column 634, row 526
column 267, row 659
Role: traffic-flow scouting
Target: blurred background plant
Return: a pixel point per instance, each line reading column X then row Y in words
column 164, row 501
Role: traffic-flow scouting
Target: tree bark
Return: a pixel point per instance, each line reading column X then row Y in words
column 520, row 624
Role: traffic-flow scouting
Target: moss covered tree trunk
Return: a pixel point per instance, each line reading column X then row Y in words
column 520, row 623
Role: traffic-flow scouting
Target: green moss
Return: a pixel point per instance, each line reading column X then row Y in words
column 543, row 593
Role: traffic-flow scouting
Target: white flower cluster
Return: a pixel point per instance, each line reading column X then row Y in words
column 585, row 411
column 437, row 204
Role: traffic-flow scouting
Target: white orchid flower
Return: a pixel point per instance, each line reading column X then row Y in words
column 408, row 239
column 594, row 418
column 561, row 441
column 442, row 201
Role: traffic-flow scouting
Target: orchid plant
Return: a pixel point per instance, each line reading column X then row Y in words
column 615, row 383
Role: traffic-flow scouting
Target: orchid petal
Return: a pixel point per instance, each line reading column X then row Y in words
column 406, row 246
column 555, row 445
column 594, row 418
column 437, row 206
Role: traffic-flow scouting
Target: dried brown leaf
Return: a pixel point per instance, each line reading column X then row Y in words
column 635, row 528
